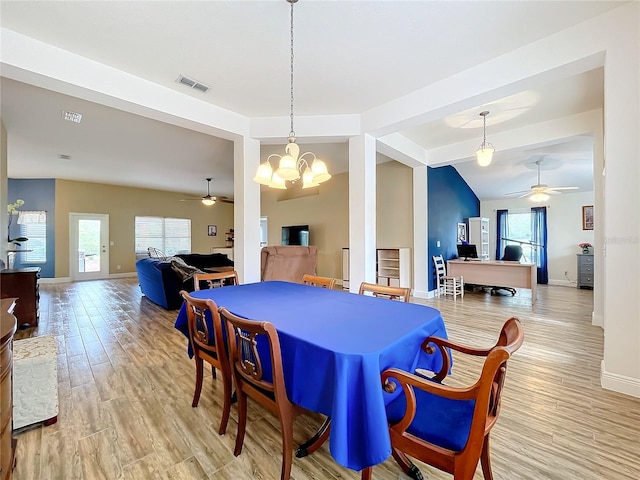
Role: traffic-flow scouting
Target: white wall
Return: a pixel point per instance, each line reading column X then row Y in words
column 564, row 230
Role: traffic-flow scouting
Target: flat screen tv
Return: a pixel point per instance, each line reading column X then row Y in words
column 295, row 235
column 467, row 251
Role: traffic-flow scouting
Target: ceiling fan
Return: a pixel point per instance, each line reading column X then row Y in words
column 209, row 199
column 540, row 192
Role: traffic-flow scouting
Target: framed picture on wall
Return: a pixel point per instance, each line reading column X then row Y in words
column 587, row 217
column 461, row 236
column 212, row 230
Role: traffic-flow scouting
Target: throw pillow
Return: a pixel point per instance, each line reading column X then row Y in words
column 184, row 271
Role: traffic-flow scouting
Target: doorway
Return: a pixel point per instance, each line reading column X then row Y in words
column 263, row 232
column 88, row 246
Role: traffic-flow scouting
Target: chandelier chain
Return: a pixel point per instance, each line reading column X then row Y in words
column 292, row 133
column 484, row 130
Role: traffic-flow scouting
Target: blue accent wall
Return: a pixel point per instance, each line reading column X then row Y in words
column 38, row 194
column 450, row 201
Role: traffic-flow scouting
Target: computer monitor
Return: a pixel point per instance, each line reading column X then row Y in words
column 467, row 251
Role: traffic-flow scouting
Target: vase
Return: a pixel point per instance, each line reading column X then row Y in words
column 585, row 251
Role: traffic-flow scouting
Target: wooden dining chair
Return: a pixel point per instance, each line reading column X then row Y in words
column 208, row 346
column 315, row 281
column 249, row 364
column 384, row 291
column 446, row 284
column 217, row 279
column 448, row 427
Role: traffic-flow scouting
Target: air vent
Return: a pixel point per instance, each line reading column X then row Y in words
column 72, row 116
column 64, row 156
column 192, row 84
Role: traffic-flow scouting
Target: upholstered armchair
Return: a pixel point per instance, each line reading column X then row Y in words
column 288, row 263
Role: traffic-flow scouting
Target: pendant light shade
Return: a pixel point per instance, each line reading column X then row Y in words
column 485, row 151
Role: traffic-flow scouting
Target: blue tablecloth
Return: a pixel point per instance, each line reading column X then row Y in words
column 334, row 346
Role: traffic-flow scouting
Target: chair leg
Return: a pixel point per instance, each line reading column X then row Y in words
column 485, row 460
column 196, row 394
column 286, row 423
column 226, row 406
column 242, row 420
column 367, row 473
column 406, row 465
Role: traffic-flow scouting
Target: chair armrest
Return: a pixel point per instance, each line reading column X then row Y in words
column 442, row 343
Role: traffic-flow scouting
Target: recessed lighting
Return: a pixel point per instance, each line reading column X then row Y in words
column 71, row 116
column 64, row 156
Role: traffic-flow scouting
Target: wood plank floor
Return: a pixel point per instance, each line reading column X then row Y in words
column 126, row 383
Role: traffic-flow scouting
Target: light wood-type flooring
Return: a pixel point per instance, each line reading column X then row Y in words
column 126, row 384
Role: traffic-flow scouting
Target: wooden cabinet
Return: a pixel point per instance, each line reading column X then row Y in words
column 22, row 283
column 585, row 270
column 394, row 267
column 7, row 443
column 479, row 236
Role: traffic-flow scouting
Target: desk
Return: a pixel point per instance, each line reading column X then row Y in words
column 496, row 273
column 334, row 346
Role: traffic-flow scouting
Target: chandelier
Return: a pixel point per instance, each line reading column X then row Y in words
column 292, row 166
column 485, row 151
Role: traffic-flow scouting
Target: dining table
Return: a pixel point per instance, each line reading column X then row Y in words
column 334, row 346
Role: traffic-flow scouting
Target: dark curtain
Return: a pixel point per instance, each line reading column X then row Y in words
column 539, row 234
column 503, row 232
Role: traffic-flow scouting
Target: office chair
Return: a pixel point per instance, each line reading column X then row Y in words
column 512, row 253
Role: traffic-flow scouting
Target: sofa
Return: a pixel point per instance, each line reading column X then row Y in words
column 162, row 285
column 288, row 263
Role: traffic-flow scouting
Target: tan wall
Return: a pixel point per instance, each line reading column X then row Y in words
column 123, row 204
column 327, row 215
column 394, row 203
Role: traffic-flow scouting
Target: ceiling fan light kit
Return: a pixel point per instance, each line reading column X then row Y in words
column 541, row 192
column 484, row 154
column 292, row 165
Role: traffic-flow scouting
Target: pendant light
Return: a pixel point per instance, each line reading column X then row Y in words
column 292, row 166
column 485, row 151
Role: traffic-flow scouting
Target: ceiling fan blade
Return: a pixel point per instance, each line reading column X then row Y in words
column 526, row 194
column 224, row 200
column 563, row 188
column 518, row 193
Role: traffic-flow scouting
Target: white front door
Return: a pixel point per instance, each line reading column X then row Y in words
column 88, row 246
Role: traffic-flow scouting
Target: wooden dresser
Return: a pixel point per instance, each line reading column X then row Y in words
column 22, row 283
column 7, row 443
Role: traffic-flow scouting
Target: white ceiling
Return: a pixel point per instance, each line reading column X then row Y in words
column 351, row 56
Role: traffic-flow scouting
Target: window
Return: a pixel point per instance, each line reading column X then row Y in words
column 171, row 235
column 33, row 225
column 520, row 230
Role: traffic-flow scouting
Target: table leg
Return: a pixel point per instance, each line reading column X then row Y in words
column 316, row 441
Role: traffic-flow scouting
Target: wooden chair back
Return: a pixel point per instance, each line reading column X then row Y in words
column 217, row 279
column 208, row 343
column 483, row 399
column 446, row 284
column 254, row 345
column 384, row 291
column 441, row 268
column 315, row 281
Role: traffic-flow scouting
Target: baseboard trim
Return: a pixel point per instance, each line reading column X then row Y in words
column 619, row 383
column 123, row 275
column 55, row 280
column 562, row 283
column 421, row 294
column 597, row 320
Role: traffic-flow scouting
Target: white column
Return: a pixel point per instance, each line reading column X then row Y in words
column 599, row 286
column 246, row 211
column 620, row 369
column 362, row 211
column 421, row 260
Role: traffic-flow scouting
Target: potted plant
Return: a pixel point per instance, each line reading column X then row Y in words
column 585, row 246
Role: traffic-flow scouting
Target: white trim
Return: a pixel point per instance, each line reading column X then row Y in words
column 619, row 383
column 123, row 275
column 422, row 294
column 55, row 280
column 597, row 320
